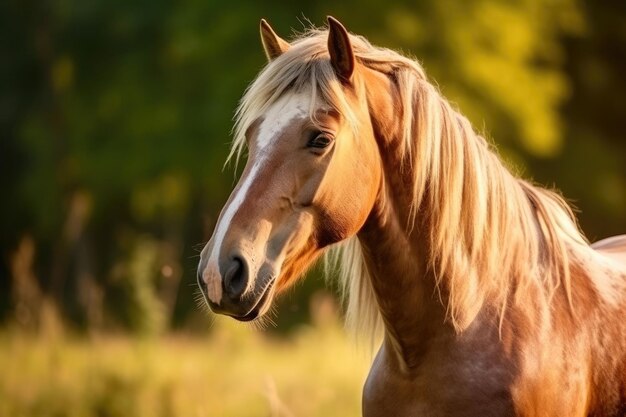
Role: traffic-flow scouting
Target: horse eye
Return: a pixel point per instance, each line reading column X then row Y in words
column 319, row 140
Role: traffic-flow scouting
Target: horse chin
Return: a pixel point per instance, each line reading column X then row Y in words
column 261, row 306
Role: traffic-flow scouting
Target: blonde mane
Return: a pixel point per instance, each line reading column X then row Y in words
column 492, row 236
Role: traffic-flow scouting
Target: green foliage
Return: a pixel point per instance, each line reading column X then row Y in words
column 129, row 104
column 145, row 312
column 500, row 61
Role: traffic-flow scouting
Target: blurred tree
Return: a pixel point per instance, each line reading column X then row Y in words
column 591, row 170
column 115, row 120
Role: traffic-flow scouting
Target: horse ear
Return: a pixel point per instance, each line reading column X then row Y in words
column 340, row 49
column 273, row 45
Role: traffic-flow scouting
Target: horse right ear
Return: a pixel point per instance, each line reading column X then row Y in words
column 340, row 49
column 273, row 45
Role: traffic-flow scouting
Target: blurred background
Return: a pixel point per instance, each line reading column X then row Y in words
column 115, row 120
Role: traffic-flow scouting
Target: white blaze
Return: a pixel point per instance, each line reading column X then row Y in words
column 276, row 119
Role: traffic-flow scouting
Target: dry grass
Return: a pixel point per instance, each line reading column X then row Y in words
column 234, row 371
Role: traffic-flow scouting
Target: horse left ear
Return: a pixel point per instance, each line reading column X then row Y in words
column 340, row 50
column 273, row 44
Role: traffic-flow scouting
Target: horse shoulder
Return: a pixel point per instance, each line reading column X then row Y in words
column 454, row 378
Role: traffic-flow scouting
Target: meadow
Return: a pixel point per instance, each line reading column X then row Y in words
column 232, row 371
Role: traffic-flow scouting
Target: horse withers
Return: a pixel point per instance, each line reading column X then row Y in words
column 490, row 300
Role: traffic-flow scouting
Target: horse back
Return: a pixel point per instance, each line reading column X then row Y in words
column 610, row 378
column 614, row 247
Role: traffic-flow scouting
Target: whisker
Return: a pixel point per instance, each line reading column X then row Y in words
column 255, row 325
column 199, row 246
column 201, row 301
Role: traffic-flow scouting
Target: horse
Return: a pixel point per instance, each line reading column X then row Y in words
column 489, row 299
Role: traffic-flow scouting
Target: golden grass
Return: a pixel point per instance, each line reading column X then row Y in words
column 233, row 371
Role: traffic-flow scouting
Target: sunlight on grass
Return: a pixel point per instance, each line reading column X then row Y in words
column 233, row 371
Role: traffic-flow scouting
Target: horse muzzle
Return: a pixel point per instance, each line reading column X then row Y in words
column 233, row 288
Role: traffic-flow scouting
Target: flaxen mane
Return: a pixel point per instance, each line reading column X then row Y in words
column 493, row 236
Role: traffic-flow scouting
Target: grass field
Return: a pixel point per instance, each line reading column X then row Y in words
column 233, row 371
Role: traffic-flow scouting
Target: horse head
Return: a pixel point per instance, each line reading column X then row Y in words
column 310, row 180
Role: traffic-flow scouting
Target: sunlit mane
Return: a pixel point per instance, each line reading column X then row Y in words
column 492, row 236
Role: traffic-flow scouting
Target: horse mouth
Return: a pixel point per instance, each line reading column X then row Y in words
column 260, row 306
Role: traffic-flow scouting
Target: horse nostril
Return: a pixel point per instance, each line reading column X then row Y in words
column 235, row 279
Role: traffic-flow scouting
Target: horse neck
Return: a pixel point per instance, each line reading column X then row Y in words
column 411, row 307
column 406, row 294
column 433, row 242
